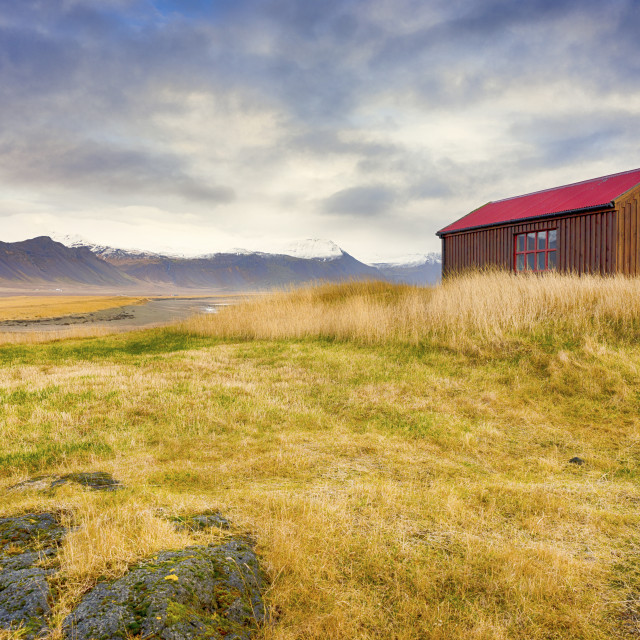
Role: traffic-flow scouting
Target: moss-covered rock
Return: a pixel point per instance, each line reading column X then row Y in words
column 24, row 591
column 32, row 531
column 24, row 600
column 201, row 522
column 197, row 592
column 95, row 480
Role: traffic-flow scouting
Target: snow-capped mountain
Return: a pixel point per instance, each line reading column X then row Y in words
column 417, row 268
column 314, row 249
column 237, row 269
column 72, row 240
column 77, row 260
column 410, row 260
column 75, row 241
column 103, row 250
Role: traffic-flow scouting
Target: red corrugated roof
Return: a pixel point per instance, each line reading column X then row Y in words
column 596, row 192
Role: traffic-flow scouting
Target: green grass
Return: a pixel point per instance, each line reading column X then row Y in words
column 116, row 348
column 395, row 490
column 44, row 456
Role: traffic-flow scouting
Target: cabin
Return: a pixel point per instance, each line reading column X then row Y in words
column 586, row 227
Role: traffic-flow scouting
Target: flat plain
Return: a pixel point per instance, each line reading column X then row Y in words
column 33, row 307
column 401, row 456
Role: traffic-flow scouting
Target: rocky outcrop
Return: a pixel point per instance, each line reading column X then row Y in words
column 200, row 522
column 194, row 593
column 96, row 480
column 26, row 543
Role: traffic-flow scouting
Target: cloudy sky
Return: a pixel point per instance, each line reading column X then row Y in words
column 202, row 125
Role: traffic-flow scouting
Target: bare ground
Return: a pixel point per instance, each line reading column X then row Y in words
column 156, row 312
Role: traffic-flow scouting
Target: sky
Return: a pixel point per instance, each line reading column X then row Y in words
column 203, row 125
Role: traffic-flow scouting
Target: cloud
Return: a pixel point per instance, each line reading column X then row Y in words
column 363, row 201
column 105, row 168
column 295, row 117
column 564, row 139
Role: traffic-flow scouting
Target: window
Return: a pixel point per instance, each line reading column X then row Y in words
column 536, row 250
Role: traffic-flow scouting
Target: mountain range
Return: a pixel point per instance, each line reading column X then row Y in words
column 75, row 263
column 419, row 269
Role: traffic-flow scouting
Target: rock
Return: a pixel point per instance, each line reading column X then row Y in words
column 576, row 460
column 24, row 591
column 24, row 601
column 201, row 521
column 39, row 483
column 198, row 592
column 32, row 531
column 26, row 560
column 97, row 480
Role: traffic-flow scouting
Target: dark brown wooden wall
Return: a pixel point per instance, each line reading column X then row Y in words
column 586, row 243
column 628, row 253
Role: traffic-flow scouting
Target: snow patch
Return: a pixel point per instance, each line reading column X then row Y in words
column 410, row 260
column 314, row 249
column 71, row 240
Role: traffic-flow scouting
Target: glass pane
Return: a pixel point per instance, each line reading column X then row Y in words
column 542, row 240
column 520, row 242
column 531, row 261
column 540, row 261
column 552, row 259
column 520, row 260
column 531, row 241
column 553, row 235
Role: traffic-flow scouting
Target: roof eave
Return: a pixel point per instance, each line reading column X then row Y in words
column 544, row 216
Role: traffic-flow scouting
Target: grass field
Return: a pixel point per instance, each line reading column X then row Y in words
column 34, row 307
column 400, row 455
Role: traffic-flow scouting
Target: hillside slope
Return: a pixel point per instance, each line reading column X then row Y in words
column 42, row 260
column 236, row 271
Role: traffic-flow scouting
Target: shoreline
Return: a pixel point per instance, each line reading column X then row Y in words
column 155, row 312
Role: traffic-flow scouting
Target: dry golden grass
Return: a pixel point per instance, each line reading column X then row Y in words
column 488, row 307
column 34, row 307
column 396, row 489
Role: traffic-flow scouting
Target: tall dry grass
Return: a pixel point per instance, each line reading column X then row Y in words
column 490, row 307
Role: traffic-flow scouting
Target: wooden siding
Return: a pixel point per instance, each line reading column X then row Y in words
column 628, row 231
column 587, row 243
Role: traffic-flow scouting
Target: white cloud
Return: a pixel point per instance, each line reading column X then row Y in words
column 371, row 123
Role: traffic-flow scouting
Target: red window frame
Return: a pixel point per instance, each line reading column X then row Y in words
column 545, row 248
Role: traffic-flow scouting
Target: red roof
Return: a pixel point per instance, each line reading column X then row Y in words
column 597, row 192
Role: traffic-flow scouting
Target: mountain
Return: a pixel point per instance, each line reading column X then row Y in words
column 75, row 241
column 41, row 260
column 240, row 270
column 419, row 269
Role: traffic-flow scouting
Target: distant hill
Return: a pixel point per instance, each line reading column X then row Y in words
column 41, row 260
column 45, row 261
column 239, row 270
column 417, row 269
